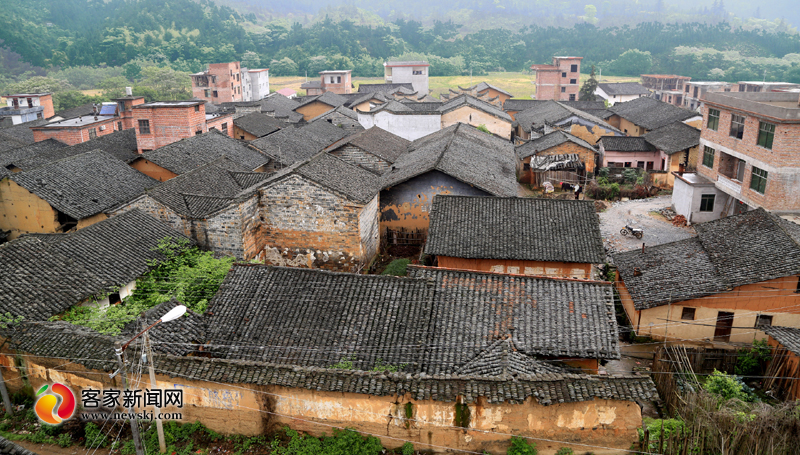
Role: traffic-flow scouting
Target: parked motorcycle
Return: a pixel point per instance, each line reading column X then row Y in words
column 638, row 233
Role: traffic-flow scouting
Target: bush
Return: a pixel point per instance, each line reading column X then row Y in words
column 603, row 172
column 397, row 267
column 407, row 449
column 603, row 181
column 565, row 451
column 654, row 426
column 612, row 192
column 751, row 361
column 94, row 437
column 520, row 446
column 64, row 440
column 728, row 387
column 630, row 175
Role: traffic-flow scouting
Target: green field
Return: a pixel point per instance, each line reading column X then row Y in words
column 517, row 83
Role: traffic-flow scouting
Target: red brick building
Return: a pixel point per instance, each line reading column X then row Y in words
column 559, row 81
column 26, row 107
column 125, row 111
column 76, row 130
column 164, row 122
column 221, row 83
column 749, row 156
column 338, row 82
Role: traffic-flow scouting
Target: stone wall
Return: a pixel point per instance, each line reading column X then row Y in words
column 368, row 226
column 302, row 218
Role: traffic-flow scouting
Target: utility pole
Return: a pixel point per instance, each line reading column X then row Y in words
column 137, row 439
column 162, row 445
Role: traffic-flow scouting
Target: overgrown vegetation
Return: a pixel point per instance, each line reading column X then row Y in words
column 728, row 387
column 185, row 273
column 752, row 361
column 397, row 267
column 521, row 446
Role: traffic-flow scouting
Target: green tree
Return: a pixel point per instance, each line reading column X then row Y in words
column 39, row 84
column 588, row 88
column 632, row 62
column 589, row 13
column 74, row 98
column 132, row 70
column 283, row 67
column 251, row 60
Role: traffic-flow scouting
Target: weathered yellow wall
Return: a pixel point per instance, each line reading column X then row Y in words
column 774, row 297
column 590, row 136
column 91, row 220
column 625, row 126
column 696, row 123
column 251, row 410
column 23, row 212
column 153, row 170
column 312, row 110
column 476, row 117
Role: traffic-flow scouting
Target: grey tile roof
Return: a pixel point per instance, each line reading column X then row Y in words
column 259, row 124
column 712, row 262
column 347, row 112
column 789, row 337
column 10, row 448
column 361, row 97
column 20, row 133
column 546, row 389
column 483, row 86
column 529, row 229
column 86, row 184
column 385, row 88
column 422, row 106
column 281, row 107
column 328, row 171
column 397, row 107
column 329, row 98
column 180, row 337
column 650, row 113
column 311, row 84
column 120, row 144
column 375, row 141
column 623, row 88
column 207, row 189
column 8, row 143
column 626, row 144
column 468, row 100
column 44, row 277
column 520, row 104
column 552, row 112
column 77, row 111
column 549, row 141
column 71, row 343
column 190, row 153
column 289, row 146
column 674, row 137
column 34, row 155
column 464, row 153
column 435, row 323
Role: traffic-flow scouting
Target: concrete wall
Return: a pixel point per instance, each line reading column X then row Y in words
column 407, row 204
column 613, row 99
column 259, row 84
column 477, row 117
column 611, row 156
column 306, row 225
column 539, row 268
column 686, row 201
column 409, row 127
column 236, row 408
column 774, row 297
column 405, row 75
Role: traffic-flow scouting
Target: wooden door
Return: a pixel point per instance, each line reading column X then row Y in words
column 724, row 324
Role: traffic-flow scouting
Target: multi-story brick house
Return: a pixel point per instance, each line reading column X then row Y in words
column 26, row 107
column 104, row 120
column 220, row 83
column 749, row 157
column 125, row 110
column 694, row 92
column 338, row 82
column 559, row 81
column 163, row 122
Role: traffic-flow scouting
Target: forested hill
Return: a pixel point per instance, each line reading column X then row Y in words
column 187, row 35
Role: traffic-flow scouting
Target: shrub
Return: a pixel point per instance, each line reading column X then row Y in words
column 613, row 191
column 565, row 451
column 94, row 437
column 750, row 361
column 603, row 172
column 397, row 267
column 654, row 426
column 407, row 449
column 728, row 387
column 602, row 181
column 519, row 446
column 64, row 440
column 629, row 175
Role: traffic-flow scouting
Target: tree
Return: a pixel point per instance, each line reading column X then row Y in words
column 283, row 67
column 131, row 70
column 39, row 84
column 589, row 13
column 251, row 60
column 632, row 62
column 588, row 89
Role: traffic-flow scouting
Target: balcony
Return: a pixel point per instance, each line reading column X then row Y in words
column 729, row 185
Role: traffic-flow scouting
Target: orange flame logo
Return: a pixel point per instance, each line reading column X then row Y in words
column 55, row 406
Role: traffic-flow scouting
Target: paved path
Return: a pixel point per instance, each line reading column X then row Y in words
column 641, row 214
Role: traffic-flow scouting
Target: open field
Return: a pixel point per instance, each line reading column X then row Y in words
column 519, row 84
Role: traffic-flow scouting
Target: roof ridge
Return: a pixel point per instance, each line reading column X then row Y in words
column 447, row 147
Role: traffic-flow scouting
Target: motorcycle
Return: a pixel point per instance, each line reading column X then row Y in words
column 638, row 233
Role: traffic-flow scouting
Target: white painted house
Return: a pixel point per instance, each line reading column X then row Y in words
column 620, row 92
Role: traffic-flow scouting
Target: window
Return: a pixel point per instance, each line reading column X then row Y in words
column 688, row 313
column 707, row 202
column 564, row 74
column 708, row 157
column 526, row 166
column 417, row 72
column 215, row 94
column 197, row 108
column 713, row 119
column 766, row 132
column 628, row 164
column 198, row 132
column 737, row 126
column 92, row 133
column 207, row 93
column 613, row 164
column 225, row 127
column 563, row 89
column 762, row 320
column 574, row 68
column 573, row 81
column 119, row 126
column 758, row 180
column 144, row 126
column 797, row 291
column 640, row 164
column 572, row 97
column 338, row 79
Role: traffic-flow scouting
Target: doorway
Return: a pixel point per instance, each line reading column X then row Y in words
column 722, row 332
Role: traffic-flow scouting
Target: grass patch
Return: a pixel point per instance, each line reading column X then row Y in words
column 397, row 267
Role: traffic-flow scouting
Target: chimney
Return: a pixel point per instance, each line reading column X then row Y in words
column 128, row 91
